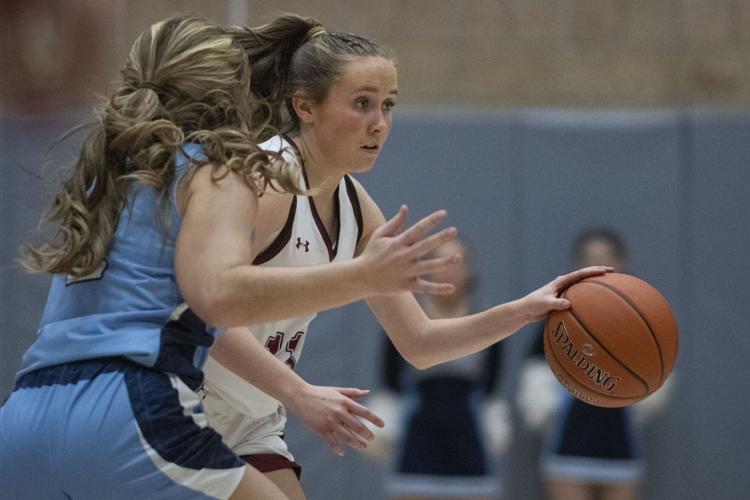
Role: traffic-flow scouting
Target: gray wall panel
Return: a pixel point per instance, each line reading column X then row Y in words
column 520, row 184
column 717, row 345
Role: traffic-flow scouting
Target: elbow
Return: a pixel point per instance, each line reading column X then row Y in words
column 212, row 307
column 416, row 348
column 423, row 363
column 418, row 358
column 211, row 312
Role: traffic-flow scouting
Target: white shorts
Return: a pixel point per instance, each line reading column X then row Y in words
column 260, row 441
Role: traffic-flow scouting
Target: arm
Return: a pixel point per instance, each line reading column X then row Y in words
column 329, row 411
column 425, row 342
column 214, row 251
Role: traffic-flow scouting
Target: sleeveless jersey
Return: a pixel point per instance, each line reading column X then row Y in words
column 303, row 241
column 123, row 308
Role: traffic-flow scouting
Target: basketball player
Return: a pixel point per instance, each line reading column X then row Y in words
column 332, row 96
column 104, row 404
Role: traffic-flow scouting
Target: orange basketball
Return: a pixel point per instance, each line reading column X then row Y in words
column 616, row 344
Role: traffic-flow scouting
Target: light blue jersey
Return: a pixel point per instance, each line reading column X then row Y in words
column 120, row 309
column 105, row 405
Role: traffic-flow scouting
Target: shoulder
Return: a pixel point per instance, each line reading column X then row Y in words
column 213, row 184
column 372, row 216
column 273, row 207
column 370, row 210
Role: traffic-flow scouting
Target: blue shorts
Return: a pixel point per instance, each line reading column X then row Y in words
column 110, row 429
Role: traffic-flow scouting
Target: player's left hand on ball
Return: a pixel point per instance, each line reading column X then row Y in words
column 333, row 413
column 540, row 302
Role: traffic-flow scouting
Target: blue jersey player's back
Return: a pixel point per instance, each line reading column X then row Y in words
column 120, row 309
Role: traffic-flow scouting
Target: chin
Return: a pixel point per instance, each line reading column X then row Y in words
column 365, row 168
column 360, row 167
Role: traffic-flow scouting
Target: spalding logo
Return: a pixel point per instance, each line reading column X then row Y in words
column 600, row 377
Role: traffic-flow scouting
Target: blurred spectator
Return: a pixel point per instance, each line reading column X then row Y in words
column 443, row 424
column 42, row 70
column 589, row 452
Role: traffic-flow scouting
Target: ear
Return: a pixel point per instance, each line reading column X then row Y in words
column 303, row 107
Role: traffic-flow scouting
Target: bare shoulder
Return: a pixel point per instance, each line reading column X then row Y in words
column 372, row 216
column 274, row 205
column 273, row 212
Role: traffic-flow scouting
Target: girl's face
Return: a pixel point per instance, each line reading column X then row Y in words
column 351, row 124
column 600, row 252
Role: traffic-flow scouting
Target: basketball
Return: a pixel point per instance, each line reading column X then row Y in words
column 616, row 345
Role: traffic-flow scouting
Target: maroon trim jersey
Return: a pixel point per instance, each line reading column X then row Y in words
column 303, row 241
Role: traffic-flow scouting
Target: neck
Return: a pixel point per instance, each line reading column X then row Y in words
column 318, row 176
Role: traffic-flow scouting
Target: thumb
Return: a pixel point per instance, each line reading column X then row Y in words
column 561, row 304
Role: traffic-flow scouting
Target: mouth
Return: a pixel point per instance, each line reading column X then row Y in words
column 371, row 148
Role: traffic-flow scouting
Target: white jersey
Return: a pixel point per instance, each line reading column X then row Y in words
column 303, row 241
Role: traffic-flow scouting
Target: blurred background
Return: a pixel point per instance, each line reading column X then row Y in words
column 529, row 120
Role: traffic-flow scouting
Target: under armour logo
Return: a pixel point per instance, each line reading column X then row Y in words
column 306, row 244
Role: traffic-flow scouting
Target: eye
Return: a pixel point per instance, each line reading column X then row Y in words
column 389, row 104
column 362, row 103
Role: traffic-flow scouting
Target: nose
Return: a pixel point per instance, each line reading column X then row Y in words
column 379, row 124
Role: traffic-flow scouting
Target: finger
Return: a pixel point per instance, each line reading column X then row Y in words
column 359, row 429
column 333, row 443
column 433, row 241
column 392, row 226
column 561, row 304
column 595, row 270
column 364, row 412
column 432, row 265
column 586, row 272
column 343, row 433
column 415, row 232
column 352, row 392
column 428, row 287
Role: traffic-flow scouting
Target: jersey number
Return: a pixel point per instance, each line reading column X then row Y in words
column 96, row 274
column 273, row 344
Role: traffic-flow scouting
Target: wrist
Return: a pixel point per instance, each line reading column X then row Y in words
column 521, row 311
column 360, row 277
column 293, row 391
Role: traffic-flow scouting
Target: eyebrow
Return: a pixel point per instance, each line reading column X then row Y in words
column 368, row 88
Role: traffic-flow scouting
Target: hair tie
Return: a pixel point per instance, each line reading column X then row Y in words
column 315, row 32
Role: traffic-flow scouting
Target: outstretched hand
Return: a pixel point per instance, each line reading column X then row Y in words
column 392, row 256
column 547, row 298
column 333, row 413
